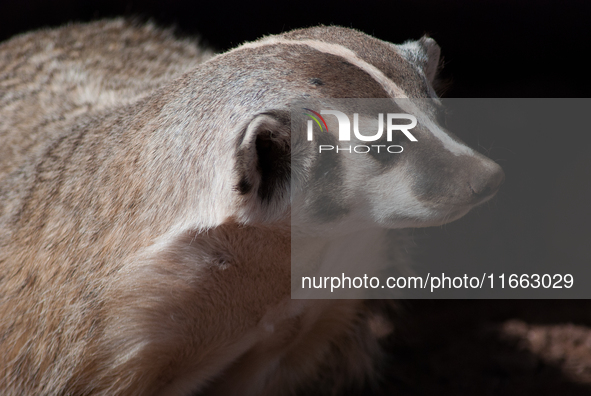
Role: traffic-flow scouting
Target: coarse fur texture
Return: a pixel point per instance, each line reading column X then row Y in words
column 147, row 218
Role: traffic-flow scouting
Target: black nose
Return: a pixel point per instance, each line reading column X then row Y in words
column 486, row 182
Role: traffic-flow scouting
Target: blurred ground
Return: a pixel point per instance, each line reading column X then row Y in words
column 495, row 347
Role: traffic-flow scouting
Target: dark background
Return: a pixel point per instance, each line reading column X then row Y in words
column 492, row 49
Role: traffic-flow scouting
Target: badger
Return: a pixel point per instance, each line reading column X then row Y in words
column 149, row 204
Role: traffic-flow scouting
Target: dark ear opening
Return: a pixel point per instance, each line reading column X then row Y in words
column 263, row 157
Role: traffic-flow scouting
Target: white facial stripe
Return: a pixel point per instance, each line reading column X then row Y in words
column 389, row 86
column 451, row 145
column 338, row 50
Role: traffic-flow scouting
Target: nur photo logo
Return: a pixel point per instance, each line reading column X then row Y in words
column 344, row 131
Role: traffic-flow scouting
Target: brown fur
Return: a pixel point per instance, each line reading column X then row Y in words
column 50, row 78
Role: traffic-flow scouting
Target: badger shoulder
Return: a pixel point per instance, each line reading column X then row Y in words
column 53, row 79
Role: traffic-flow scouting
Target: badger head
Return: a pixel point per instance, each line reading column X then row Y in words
column 409, row 178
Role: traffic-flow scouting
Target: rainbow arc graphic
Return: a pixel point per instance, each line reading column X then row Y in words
column 317, row 117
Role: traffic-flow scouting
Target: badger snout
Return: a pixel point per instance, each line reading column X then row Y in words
column 485, row 182
column 451, row 185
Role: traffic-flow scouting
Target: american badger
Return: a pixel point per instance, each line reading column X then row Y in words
column 146, row 209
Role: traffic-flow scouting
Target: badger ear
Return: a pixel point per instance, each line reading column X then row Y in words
column 433, row 53
column 425, row 53
column 263, row 161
